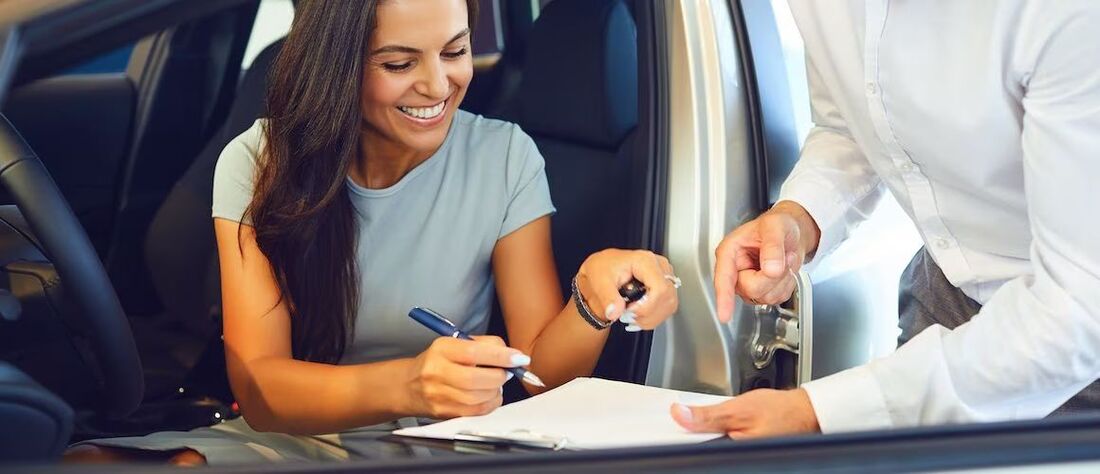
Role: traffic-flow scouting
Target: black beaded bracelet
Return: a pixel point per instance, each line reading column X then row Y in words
column 586, row 314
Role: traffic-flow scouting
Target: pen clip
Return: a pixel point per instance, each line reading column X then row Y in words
column 440, row 316
column 434, row 315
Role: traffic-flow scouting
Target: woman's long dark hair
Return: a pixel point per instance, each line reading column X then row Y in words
column 302, row 215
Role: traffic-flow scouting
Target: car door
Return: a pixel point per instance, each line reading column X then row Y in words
column 735, row 88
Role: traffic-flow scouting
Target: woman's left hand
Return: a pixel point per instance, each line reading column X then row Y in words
column 603, row 272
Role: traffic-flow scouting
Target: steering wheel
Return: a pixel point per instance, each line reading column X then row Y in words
column 67, row 246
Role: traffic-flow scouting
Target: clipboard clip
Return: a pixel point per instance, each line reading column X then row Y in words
column 517, row 437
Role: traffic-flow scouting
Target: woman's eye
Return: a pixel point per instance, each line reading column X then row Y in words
column 454, row 54
column 396, row 67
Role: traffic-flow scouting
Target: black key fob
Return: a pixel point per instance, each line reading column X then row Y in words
column 632, row 291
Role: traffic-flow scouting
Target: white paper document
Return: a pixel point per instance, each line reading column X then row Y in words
column 587, row 413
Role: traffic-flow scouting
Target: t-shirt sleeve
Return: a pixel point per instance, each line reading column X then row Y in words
column 234, row 176
column 528, row 190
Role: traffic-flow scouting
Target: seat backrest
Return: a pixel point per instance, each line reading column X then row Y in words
column 578, row 99
column 179, row 248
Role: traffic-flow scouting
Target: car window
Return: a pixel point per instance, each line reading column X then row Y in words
column 794, row 58
column 488, row 36
column 274, row 17
column 272, row 23
column 113, row 61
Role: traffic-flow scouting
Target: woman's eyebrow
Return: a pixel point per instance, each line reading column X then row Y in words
column 411, row 50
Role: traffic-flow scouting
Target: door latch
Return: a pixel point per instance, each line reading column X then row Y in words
column 785, row 327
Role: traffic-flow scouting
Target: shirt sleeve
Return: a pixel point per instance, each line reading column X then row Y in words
column 1036, row 342
column 832, row 180
column 528, row 190
column 234, row 176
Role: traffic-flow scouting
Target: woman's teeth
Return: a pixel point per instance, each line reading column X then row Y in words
column 423, row 112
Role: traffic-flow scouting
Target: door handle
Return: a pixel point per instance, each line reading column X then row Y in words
column 786, row 327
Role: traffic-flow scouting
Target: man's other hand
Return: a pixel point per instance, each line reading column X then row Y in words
column 753, row 414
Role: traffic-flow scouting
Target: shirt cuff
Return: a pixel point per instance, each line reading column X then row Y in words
column 848, row 401
column 826, row 208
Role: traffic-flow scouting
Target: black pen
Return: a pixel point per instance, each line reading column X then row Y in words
column 445, row 327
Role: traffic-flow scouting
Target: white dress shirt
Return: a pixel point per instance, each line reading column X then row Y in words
column 983, row 119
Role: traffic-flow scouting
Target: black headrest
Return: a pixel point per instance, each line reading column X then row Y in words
column 580, row 73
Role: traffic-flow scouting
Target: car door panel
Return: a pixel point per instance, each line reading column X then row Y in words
column 731, row 144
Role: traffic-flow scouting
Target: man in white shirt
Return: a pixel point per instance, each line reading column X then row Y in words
column 982, row 118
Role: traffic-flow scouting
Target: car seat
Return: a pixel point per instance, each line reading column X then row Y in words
column 578, row 99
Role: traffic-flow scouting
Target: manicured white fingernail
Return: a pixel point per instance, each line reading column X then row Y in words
column 510, row 375
column 520, row 360
column 685, row 412
column 627, row 317
column 633, row 328
column 607, row 312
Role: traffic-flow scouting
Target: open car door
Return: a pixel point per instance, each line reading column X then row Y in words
column 733, row 143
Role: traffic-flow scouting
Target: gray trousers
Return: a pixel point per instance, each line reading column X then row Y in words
column 926, row 298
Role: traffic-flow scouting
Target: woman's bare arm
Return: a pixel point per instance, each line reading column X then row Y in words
column 561, row 344
column 275, row 391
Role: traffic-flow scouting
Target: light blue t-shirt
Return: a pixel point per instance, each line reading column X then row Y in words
column 428, row 239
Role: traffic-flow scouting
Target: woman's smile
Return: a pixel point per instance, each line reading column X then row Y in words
column 425, row 116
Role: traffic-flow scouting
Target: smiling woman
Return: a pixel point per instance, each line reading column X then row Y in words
column 413, row 81
column 313, row 90
column 363, row 193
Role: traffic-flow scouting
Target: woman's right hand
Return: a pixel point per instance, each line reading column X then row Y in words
column 445, row 381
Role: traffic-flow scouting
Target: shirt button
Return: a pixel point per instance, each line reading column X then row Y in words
column 943, row 243
column 906, row 167
column 871, row 88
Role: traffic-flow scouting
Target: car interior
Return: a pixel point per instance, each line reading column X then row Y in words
column 133, row 154
column 113, row 114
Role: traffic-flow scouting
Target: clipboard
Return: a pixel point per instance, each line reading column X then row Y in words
column 586, row 413
column 519, row 437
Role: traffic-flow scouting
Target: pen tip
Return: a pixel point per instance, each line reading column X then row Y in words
column 533, row 379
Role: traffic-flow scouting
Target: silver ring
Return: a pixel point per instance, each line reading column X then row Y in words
column 675, row 281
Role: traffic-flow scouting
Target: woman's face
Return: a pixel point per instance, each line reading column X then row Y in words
column 417, row 70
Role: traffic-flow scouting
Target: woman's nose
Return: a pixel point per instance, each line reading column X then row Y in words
column 434, row 83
